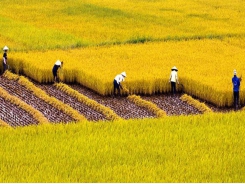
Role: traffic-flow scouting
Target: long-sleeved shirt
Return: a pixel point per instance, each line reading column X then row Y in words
column 5, row 58
column 236, row 83
column 173, row 76
column 119, row 78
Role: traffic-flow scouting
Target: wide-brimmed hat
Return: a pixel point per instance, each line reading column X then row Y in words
column 123, row 74
column 5, row 48
column 174, row 68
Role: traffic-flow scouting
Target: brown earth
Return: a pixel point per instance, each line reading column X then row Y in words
column 89, row 113
column 51, row 113
column 171, row 104
column 120, row 105
column 15, row 116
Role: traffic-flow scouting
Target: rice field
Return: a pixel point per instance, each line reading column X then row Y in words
column 174, row 149
column 62, row 24
column 204, row 66
column 75, row 132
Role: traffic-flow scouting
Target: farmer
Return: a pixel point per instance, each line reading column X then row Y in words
column 117, row 82
column 173, row 79
column 58, row 64
column 5, row 58
column 236, row 86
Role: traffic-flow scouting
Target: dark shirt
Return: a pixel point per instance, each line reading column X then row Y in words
column 5, row 55
column 236, row 83
column 55, row 68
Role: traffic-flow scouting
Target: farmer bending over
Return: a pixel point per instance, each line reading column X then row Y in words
column 5, row 58
column 117, row 82
column 236, row 86
column 58, row 64
column 173, row 79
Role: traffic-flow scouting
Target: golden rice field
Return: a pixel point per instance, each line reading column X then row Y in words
column 207, row 148
column 204, row 66
column 187, row 34
column 28, row 25
column 97, row 39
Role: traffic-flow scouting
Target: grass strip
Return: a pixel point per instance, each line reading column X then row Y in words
column 200, row 106
column 149, row 105
column 109, row 113
column 43, row 95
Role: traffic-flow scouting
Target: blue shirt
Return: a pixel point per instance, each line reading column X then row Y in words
column 236, row 83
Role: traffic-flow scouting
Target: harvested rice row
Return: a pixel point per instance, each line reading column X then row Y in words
column 43, row 95
column 149, row 105
column 37, row 115
column 109, row 114
column 200, row 106
column 4, row 124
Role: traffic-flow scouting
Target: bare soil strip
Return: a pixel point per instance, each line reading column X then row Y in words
column 15, row 116
column 123, row 107
column 120, row 105
column 88, row 112
column 172, row 104
column 51, row 113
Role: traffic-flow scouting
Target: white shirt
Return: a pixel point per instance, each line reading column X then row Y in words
column 119, row 78
column 58, row 63
column 173, row 76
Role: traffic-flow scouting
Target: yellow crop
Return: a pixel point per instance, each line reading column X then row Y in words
column 42, row 94
column 205, row 40
column 195, row 103
column 149, row 105
column 37, row 115
column 4, row 124
column 193, row 149
column 59, row 24
column 109, row 114
column 205, row 67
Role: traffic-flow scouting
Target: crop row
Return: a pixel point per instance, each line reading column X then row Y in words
column 61, row 107
column 40, row 101
column 148, row 67
column 37, row 116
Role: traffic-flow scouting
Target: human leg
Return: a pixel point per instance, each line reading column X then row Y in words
column 116, row 87
column 173, row 87
column 236, row 98
column 55, row 75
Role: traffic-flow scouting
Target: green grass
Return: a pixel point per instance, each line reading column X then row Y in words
column 208, row 148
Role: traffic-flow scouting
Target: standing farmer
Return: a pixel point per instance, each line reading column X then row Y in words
column 5, row 58
column 236, row 86
column 173, row 79
column 117, row 82
column 58, row 64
